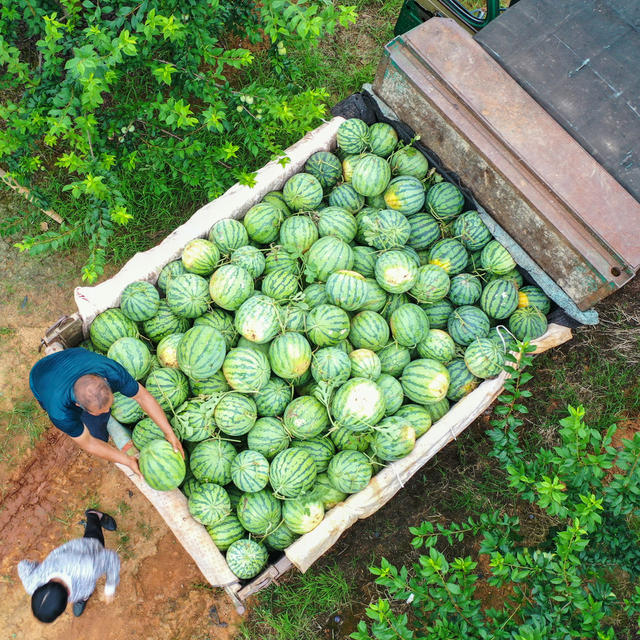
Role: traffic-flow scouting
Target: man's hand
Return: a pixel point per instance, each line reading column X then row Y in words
column 132, row 463
column 151, row 407
column 176, row 444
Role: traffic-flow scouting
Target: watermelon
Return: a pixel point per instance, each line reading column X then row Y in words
column 278, row 258
column 259, row 512
column 268, row 436
column 189, row 484
column 346, row 289
column 325, row 167
column 273, row 397
column 393, row 359
column 276, row 199
column 469, row 229
column 449, row 254
column 438, row 409
column 353, row 136
column 395, row 272
column 200, row 256
column 393, row 438
column 467, row 323
column 228, row 235
column 298, row 233
column 371, row 175
column 358, row 404
column 303, row 514
column 408, row 161
column 246, row 370
column 169, row 271
column 431, row 284
column 144, row 432
column 164, row 323
column 495, row 259
column 391, row 391
column 462, row 380
column 280, row 538
column 424, row 231
column 499, row 299
column 425, row 381
column 385, row 229
column 250, row 471
column 417, row 415
column 133, row 355
column 405, row 194
column 193, row 420
column 262, row 222
column 320, row 448
column 315, row 294
column 346, row 197
column 235, row 414
column 109, row 326
column 327, row 255
column 167, row 350
column 226, row 531
column 168, row 386
column 125, row 410
column 246, row 558
column 257, row 319
column 409, row 325
column 249, row 258
column 348, row 166
column 365, row 364
column 444, row 201
column 394, row 300
column 210, row 461
column 532, row 296
column 209, row 503
column 484, row 358
column 438, row 313
column 280, row 285
column 327, row 325
column 437, row 345
column 382, row 139
column 161, row 466
column 305, row 417
column 369, row 330
column 364, row 260
column 331, row 366
column 345, row 439
column 216, row 383
column 139, row 301
column 223, row 322
column 513, row 276
column 290, row 355
column 376, row 299
column 465, row 289
column 338, row 222
column 230, row 286
column 201, row 352
column 302, row 192
column 292, row 473
column 188, row 295
column 528, row 323
column 324, row 491
column 349, row 471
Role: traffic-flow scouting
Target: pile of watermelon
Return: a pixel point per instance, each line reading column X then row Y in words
column 299, row 350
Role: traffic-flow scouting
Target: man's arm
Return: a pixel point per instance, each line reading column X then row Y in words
column 101, row 449
column 151, row 407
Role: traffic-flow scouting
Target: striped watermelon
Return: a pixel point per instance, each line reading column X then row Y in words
column 228, row 235
column 331, row 366
column 417, row 415
column 298, row 233
column 230, row 286
column 346, row 439
column 189, row 484
column 438, row 409
column 348, row 166
column 169, row 271
column 425, row 380
column 305, row 417
column 409, row 325
column 425, row 230
column 168, row 386
column 302, row 192
column 405, row 194
column 320, row 448
column 109, row 326
column 278, row 258
column 200, row 256
column 484, row 358
column 262, row 222
column 292, row 473
column 209, row 503
column 274, row 397
column 438, row 313
column 161, row 466
column 325, row 167
column 290, row 355
column 250, row 471
column 293, row 317
column 471, row 231
column 393, row 438
column 249, row 258
column 210, row 461
column 394, row 300
column 502, row 337
column 276, row 199
column 499, row 299
column 408, row 161
column 327, row 325
column 315, row 294
column 133, row 355
column 259, row 512
column 369, row 330
column 396, row 272
column 364, row 260
column 432, row 283
column 465, row 289
column 346, row 197
column 392, row 392
column 386, row 229
column 144, row 432
column 201, row 352
column 324, row 491
column 349, row 471
column 437, row 345
column 364, row 219
column 346, row 289
column 365, row 364
column 532, row 296
column 246, row 558
column 327, row 255
column 217, row 383
column 164, row 323
column 353, row 136
column 257, row 319
column 513, row 276
column 125, row 410
column 234, row 495
column 338, row 222
column 235, row 414
column 467, row 323
column 139, row 301
column 167, row 350
column 246, row 370
column 193, row 420
column 444, row 201
column 377, row 297
column 371, row 175
column 280, row 285
column 188, row 295
column 223, row 322
column 449, row 254
column 495, row 259
column 281, row 538
column 382, row 139
column 225, row 532
column 303, row 514
column 247, row 344
column 268, row 436
column 528, row 323
column 393, row 359
column 462, row 380
column 358, row 404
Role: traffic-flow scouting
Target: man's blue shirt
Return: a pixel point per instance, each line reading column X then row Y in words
column 52, row 379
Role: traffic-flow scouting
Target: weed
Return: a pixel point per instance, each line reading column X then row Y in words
column 68, row 516
column 123, row 547
column 123, row 508
column 7, row 331
column 24, row 419
column 145, row 529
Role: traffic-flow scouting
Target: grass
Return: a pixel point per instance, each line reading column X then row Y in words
column 24, row 419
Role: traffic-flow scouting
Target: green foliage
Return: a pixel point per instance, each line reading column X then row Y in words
column 581, row 581
column 98, row 92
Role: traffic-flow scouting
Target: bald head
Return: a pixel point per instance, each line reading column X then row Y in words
column 93, row 393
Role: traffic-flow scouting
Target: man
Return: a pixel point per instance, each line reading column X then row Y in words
column 75, row 387
column 70, row 572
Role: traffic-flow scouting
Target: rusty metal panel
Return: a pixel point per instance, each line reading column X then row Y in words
column 575, row 221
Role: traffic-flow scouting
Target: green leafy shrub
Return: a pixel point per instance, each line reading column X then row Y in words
column 102, row 99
